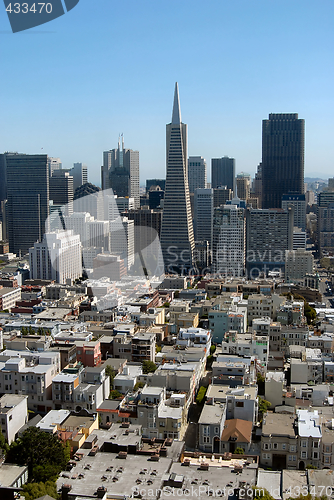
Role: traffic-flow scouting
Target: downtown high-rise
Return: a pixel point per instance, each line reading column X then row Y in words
column 282, row 158
column 28, row 200
column 120, row 171
column 177, row 236
column 223, row 173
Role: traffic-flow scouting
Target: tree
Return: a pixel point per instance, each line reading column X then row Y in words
column 3, row 444
column 263, row 405
column 37, row 490
column 209, row 361
column 201, row 395
column 114, row 394
column 239, row 451
column 110, row 372
column 149, row 366
column 212, row 349
column 45, row 455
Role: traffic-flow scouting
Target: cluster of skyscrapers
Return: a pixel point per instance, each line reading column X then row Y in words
column 228, row 228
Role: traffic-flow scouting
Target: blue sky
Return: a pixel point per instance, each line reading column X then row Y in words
column 109, row 67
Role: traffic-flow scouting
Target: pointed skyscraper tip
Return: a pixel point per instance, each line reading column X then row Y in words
column 176, row 116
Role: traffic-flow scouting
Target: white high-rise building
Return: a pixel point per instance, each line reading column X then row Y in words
column 229, row 241
column 122, row 240
column 57, row 257
column 78, row 223
column 203, row 215
column 80, row 175
column 54, row 164
column 98, row 234
column 196, row 173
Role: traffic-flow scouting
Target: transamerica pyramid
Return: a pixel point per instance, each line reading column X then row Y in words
column 177, row 236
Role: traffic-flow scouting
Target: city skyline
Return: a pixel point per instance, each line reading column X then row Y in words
column 275, row 55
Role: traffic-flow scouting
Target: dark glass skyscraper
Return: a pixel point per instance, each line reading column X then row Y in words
column 282, row 158
column 223, row 173
column 28, row 200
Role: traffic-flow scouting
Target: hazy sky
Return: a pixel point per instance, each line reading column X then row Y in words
column 109, row 67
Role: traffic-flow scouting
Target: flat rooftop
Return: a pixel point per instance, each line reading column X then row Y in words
column 119, row 477
column 271, row 481
column 279, row 424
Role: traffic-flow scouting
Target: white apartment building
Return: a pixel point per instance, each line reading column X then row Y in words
column 13, row 415
column 31, row 374
column 57, row 257
column 9, row 297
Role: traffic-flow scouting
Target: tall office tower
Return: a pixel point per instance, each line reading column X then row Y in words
column 3, row 177
column 330, row 184
column 196, row 173
column 325, row 228
column 223, row 173
column 54, row 164
column 79, row 173
column 229, row 241
column 122, row 232
column 203, row 214
column 256, row 190
column 325, row 222
column 325, row 198
column 61, row 191
column 3, row 194
column 177, row 236
column 282, row 158
column 98, row 234
column 269, row 234
column 298, row 203
column 28, row 200
column 120, row 171
column 243, row 185
column 57, row 257
column 221, row 195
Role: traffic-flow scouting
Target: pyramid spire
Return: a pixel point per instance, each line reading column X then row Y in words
column 176, row 116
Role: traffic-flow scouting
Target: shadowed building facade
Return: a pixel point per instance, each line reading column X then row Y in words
column 177, row 236
column 28, row 200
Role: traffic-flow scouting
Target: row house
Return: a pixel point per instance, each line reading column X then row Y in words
column 241, row 402
column 291, row 441
column 210, row 427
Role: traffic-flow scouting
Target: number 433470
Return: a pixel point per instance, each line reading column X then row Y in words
column 36, row 8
